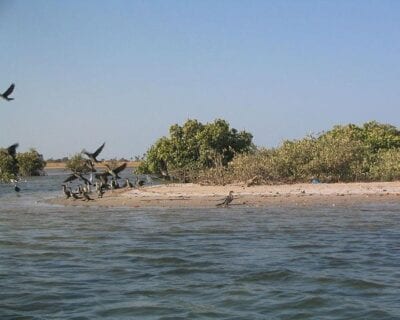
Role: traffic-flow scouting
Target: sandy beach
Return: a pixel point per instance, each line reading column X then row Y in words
column 198, row 196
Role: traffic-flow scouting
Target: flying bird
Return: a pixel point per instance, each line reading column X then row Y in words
column 6, row 93
column 12, row 150
column 92, row 156
column 114, row 172
column 76, row 175
column 227, row 200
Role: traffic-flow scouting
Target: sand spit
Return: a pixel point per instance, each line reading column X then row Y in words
column 197, row 196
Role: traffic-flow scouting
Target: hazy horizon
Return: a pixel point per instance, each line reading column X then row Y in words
column 124, row 71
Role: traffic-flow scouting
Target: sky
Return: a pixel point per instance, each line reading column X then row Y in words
column 124, row 71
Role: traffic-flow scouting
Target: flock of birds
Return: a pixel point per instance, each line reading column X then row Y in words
column 102, row 183
column 108, row 179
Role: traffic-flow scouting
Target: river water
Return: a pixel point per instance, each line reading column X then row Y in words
column 235, row 263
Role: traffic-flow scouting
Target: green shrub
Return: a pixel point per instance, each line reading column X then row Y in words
column 8, row 167
column 77, row 163
column 194, row 147
column 30, row 163
column 386, row 166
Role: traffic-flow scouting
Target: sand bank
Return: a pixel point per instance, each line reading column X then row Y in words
column 197, row 196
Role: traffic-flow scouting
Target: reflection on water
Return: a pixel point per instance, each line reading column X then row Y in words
column 240, row 263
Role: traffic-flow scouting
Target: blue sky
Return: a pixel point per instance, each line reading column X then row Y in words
column 124, row 71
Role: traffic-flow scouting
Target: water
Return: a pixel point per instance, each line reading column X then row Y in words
column 239, row 263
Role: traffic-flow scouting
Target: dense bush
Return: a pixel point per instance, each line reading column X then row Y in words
column 77, row 163
column 194, row 147
column 345, row 153
column 196, row 152
column 386, row 167
column 29, row 163
column 8, row 167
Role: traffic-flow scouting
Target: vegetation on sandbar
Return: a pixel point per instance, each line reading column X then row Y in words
column 193, row 148
column 346, row 153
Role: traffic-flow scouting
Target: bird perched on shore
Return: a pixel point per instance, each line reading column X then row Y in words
column 74, row 195
column 103, row 177
column 227, row 200
column 86, row 197
column 5, row 94
column 99, row 189
column 67, row 192
column 76, row 175
column 128, row 184
column 92, row 156
column 140, row 182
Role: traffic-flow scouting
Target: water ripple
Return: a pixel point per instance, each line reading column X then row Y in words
column 261, row 263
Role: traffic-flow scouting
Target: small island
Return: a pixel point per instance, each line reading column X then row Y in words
column 199, row 164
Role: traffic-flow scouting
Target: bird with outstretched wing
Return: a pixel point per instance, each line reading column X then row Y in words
column 93, row 156
column 5, row 94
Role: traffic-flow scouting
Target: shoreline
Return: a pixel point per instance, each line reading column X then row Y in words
column 197, row 196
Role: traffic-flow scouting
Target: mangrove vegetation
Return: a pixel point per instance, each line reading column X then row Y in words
column 30, row 163
column 216, row 154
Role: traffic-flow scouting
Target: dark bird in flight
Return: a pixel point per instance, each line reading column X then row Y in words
column 6, row 93
column 227, row 200
column 76, row 175
column 89, row 165
column 92, row 156
column 114, row 172
column 12, row 150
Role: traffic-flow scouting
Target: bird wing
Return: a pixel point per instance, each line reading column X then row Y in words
column 12, row 150
column 84, row 179
column 9, row 90
column 96, row 153
column 85, row 152
column 70, row 178
column 120, row 168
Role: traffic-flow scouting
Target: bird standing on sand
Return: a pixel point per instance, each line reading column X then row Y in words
column 66, row 192
column 128, row 184
column 227, row 200
column 6, row 93
column 86, row 197
column 103, row 177
column 92, row 156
